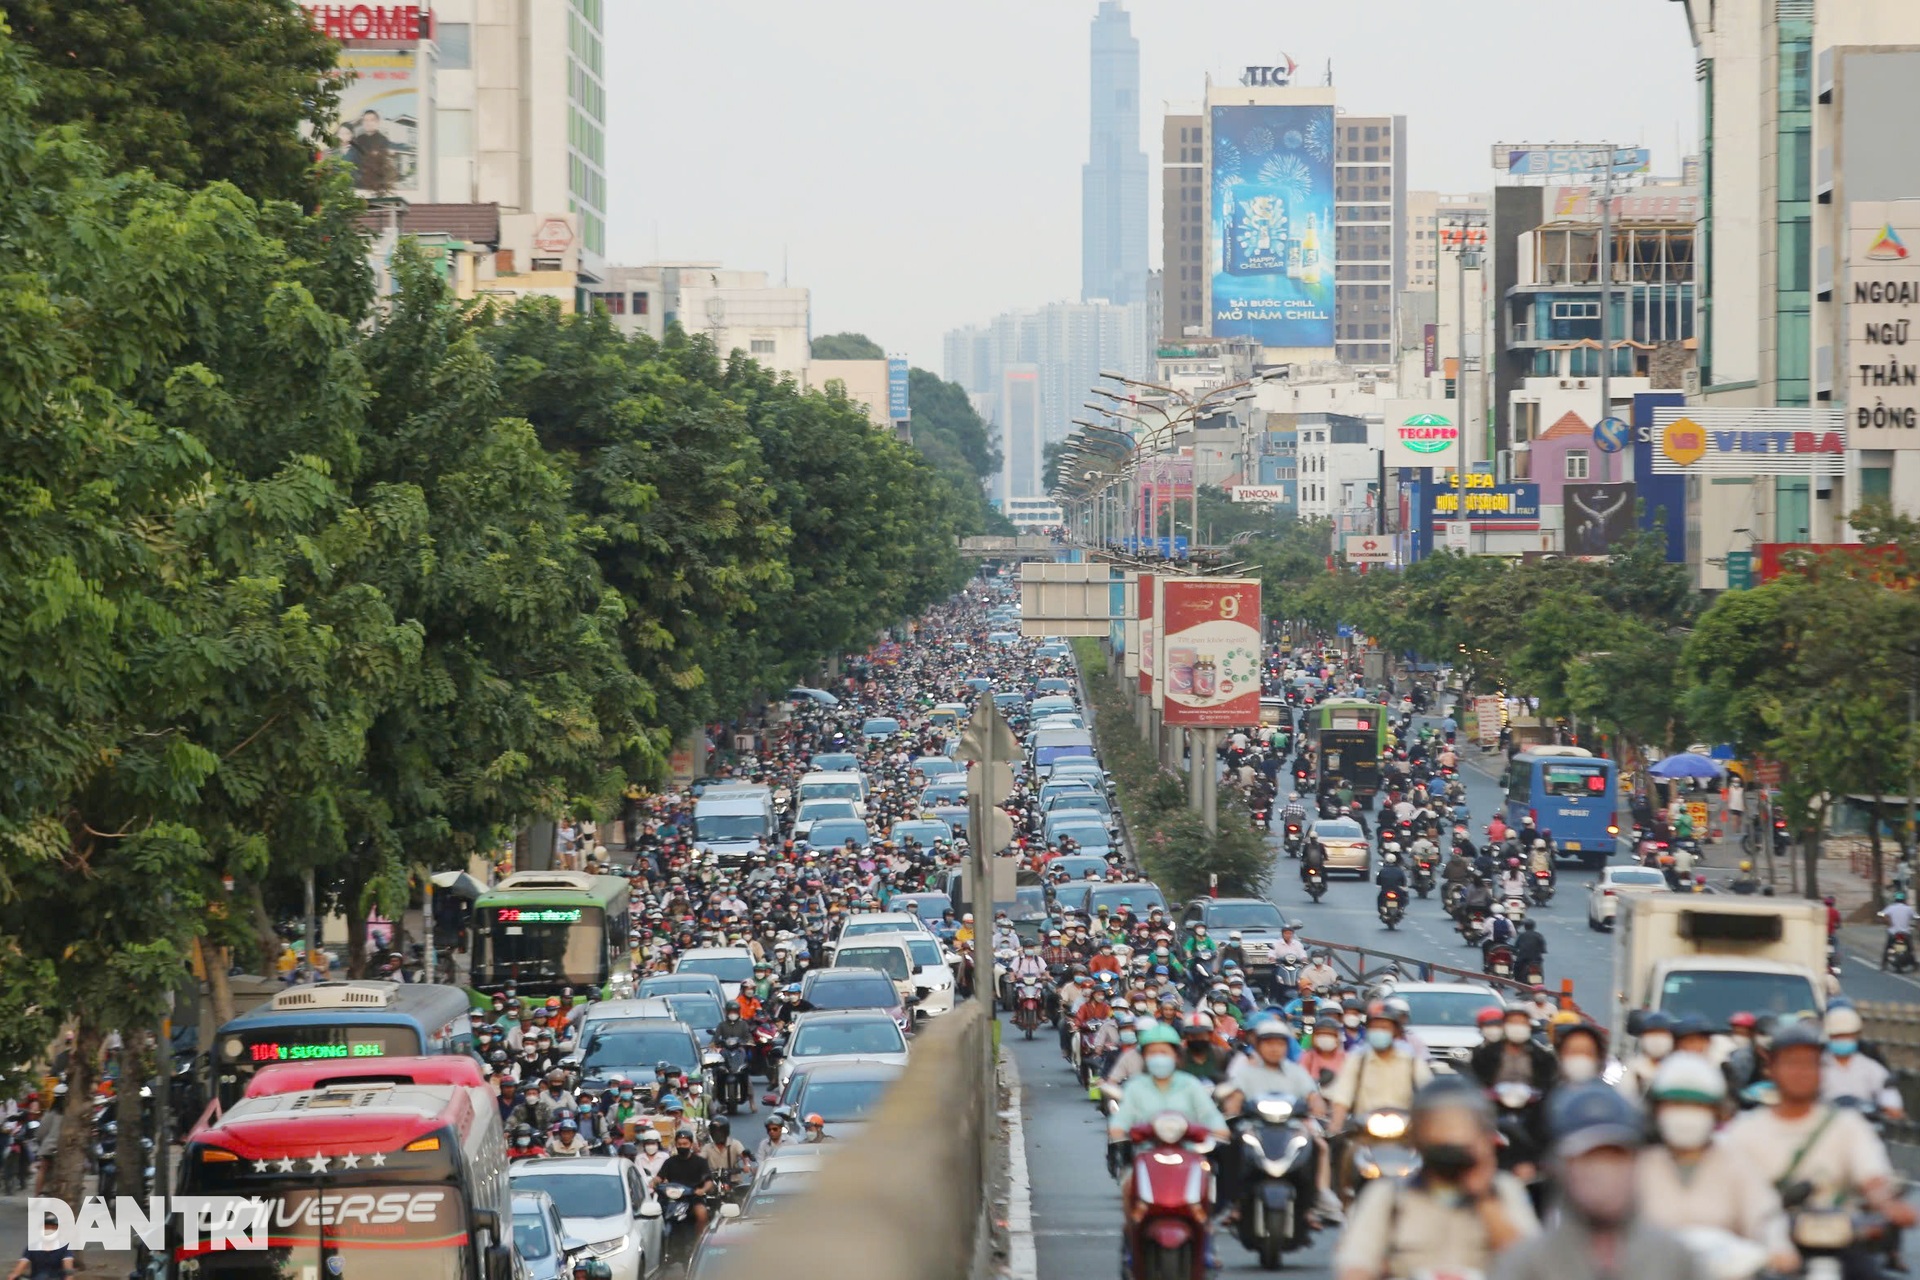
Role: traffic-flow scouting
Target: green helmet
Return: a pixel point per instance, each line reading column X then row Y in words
column 1159, row 1033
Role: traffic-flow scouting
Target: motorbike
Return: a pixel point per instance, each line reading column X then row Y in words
column 732, row 1084
column 676, row 1221
column 1516, row 1107
column 1900, row 953
column 1262, row 814
column 1295, row 839
column 1277, row 1165
column 1533, row 974
column 1316, row 882
column 1106, row 1099
column 1472, row 923
column 1451, row 894
column 1028, row 1000
column 1499, row 961
column 1823, row 1236
column 1393, row 908
column 766, row 1049
column 1165, row 1236
column 1378, row 1148
column 1516, row 909
column 1086, row 1058
column 1423, row 877
column 1286, row 976
column 1542, row 888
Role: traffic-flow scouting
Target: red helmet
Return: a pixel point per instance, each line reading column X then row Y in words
column 1489, row 1016
column 1742, row 1021
column 1196, row 1023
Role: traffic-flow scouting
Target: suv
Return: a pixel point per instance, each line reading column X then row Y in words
column 603, row 1202
column 845, row 990
column 1257, row 921
column 1443, row 1017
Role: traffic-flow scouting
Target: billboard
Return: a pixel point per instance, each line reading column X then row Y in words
column 1477, row 498
column 1367, row 548
column 1271, row 224
column 1211, row 651
column 1262, row 493
column 1597, row 516
column 1883, row 299
column 1663, row 498
column 380, row 135
column 899, row 407
column 1143, row 599
column 1695, row 441
column 1421, row 433
column 1524, row 161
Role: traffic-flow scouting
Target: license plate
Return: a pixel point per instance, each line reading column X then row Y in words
column 1574, row 845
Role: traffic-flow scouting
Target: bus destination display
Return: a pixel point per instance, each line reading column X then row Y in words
column 274, row 1051
column 537, row 915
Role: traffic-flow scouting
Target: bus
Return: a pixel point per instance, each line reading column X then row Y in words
column 377, row 1178
column 1352, row 736
column 334, row 1021
column 1570, row 792
column 548, row 930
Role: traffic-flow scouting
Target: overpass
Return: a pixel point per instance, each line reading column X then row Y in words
column 1026, row 546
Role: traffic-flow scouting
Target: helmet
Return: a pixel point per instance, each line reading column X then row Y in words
column 1656, row 1020
column 1196, row 1024
column 1798, row 1033
column 1742, row 1021
column 814, row 1120
column 718, row 1129
column 1488, row 1016
column 1746, row 864
column 1843, row 1020
column 1158, row 1033
column 1687, row 1077
column 1398, row 1009
column 1585, row 1117
column 1271, row 1029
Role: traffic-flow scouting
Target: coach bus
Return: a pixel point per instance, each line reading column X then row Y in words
column 380, row 1178
column 340, row 1021
column 1352, row 737
column 1570, row 792
column 549, row 930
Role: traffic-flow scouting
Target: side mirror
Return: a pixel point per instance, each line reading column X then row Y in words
column 499, row 1262
column 1635, row 1021
column 729, row 1209
column 648, row 1209
column 487, row 1220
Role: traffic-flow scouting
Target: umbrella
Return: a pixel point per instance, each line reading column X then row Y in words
column 458, row 883
column 1686, row 764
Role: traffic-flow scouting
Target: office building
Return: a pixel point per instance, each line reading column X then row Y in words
column 739, row 310
column 1183, row 225
column 1370, row 221
column 1806, row 127
column 1113, row 183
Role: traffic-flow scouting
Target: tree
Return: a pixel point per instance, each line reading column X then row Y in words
column 847, row 346
column 196, row 91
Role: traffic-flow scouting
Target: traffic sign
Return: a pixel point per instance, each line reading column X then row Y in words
column 1739, row 570
column 1611, row 435
column 988, row 730
column 997, row 786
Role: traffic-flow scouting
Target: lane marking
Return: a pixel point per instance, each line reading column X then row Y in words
column 1023, row 1260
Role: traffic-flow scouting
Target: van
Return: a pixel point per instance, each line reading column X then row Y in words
column 848, row 785
column 1044, row 746
column 730, row 822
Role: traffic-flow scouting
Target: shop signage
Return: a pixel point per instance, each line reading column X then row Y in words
column 372, row 21
column 1883, row 301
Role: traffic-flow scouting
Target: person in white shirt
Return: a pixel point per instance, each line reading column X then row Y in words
column 1845, row 1072
column 1899, row 918
column 1289, row 946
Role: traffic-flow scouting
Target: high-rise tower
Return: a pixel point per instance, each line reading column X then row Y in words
column 1113, row 183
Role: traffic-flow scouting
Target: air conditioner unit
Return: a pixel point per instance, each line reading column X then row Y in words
column 577, row 881
column 338, row 995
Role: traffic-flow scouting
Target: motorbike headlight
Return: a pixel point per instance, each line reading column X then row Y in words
column 1386, row 1125
column 1170, row 1127
column 1274, row 1110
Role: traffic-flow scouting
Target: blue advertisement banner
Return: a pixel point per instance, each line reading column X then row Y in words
column 1484, row 500
column 1272, row 224
column 1663, row 499
column 898, row 406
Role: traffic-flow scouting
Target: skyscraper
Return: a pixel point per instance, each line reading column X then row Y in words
column 1113, row 183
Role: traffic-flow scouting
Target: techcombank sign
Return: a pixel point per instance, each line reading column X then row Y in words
column 1421, row 433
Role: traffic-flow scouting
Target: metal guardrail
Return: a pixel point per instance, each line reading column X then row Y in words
column 907, row 1197
column 1414, row 969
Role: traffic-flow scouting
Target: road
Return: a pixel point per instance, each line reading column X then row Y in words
column 1076, row 1208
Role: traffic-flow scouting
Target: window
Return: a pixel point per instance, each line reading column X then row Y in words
column 1876, row 484
column 614, row 304
column 455, row 133
column 640, row 304
column 1577, row 464
column 455, row 40
column 762, row 347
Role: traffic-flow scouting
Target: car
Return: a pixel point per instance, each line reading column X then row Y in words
column 835, row 762
column 540, row 1238
column 700, row 1010
column 821, row 807
column 1003, row 637
column 1084, row 827
column 1053, row 788
column 1603, row 897
column 633, row 1048
column 864, row 1036
column 979, row 684
column 1052, row 704
column 832, row 833
column 1052, row 685
column 929, row 906
column 719, row 1250
column 878, row 728
column 931, row 767
column 1078, row 769
column 1058, row 720
column 1444, row 1017
column 1346, row 846
column 929, row 975
column 670, row 984
column 1257, row 921
column 846, row 990
column 1008, row 701
column 1081, row 800
column 818, row 697
column 844, row 1094
column 780, row 1176
column 926, row 831
column 602, row 1201
column 862, row 923
column 1079, row 866
column 947, row 791
column 1140, row 895
column 731, row 966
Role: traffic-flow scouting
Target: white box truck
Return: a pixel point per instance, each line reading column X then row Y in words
column 1716, row 955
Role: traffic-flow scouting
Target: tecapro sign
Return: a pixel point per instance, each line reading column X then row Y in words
column 1428, row 433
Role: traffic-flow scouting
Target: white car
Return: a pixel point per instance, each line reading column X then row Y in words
column 861, row 923
column 1603, row 899
column 732, row 966
column 603, row 1202
column 812, row 811
column 1444, row 1018
column 841, row 1037
column 932, row 969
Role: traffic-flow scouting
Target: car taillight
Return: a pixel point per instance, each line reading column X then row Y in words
column 1606, row 893
column 1613, row 829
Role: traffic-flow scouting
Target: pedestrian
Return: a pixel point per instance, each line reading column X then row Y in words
column 1736, row 806
column 1598, row 1232
column 50, row 1261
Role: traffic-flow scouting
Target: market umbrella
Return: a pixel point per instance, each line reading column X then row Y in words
column 458, row 883
column 1686, row 764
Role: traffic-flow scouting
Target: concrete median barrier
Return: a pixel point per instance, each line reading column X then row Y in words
column 906, row 1198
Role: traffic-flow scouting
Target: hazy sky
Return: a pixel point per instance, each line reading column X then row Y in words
column 916, row 163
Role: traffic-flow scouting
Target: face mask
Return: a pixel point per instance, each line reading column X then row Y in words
column 1160, row 1066
column 1491, row 1032
column 1518, row 1033
column 1447, row 1160
column 1220, row 1007
column 521, row 1142
column 1129, row 1037
column 1685, row 1128
column 1656, row 1044
column 1579, row 1069
column 1326, row 1043
column 1381, row 1041
column 1843, row 1048
column 1352, row 1019
column 1599, row 1187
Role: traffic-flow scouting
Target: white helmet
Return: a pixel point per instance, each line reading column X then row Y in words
column 1843, row 1020
column 1500, row 908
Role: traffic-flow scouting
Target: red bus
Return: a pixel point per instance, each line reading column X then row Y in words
column 394, row 1171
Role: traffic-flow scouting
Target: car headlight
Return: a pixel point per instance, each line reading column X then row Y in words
column 608, row 1248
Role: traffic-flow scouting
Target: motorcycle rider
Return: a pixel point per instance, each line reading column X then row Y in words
column 1529, row 949
column 733, row 1026
column 1319, row 973
column 1656, row 1042
column 1848, row 1073
column 769, row 1145
column 1453, row 1216
column 1268, row 1070
column 1689, row 1178
column 687, row 1168
column 1392, row 878
column 1294, row 812
column 1313, row 861
column 726, row 1155
column 1899, row 918
column 1499, row 932
column 1382, row 1073
column 1516, row 1056
column 1203, row 1058
column 1745, row 882
column 1164, row 1087
column 1289, row 946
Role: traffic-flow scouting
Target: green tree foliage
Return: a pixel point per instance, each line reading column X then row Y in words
column 195, row 91
column 847, row 346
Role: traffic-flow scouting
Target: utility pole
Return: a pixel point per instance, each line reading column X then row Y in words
column 1606, row 307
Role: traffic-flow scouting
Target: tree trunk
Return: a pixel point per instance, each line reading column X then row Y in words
column 129, row 1116
column 1810, row 856
column 68, row 1181
column 217, row 961
column 1879, row 862
column 263, row 930
column 351, row 894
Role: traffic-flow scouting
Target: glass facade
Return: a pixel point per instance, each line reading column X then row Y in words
column 1793, row 299
column 586, row 123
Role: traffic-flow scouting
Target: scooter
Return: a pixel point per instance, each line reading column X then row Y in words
column 1028, row 1000
column 733, row 1090
column 1277, row 1165
column 1165, row 1236
column 1378, row 1148
column 1295, row 840
column 1423, row 877
column 1499, row 961
column 1316, row 883
column 676, row 1221
column 1393, row 908
column 1542, row 888
column 1900, row 953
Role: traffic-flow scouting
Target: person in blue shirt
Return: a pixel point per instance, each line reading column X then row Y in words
column 1164, row 1087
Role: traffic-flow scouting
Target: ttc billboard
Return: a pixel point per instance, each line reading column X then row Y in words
column 1271, row 216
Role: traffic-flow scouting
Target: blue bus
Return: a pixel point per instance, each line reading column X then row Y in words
column 1570, row 792
column 360, row 1021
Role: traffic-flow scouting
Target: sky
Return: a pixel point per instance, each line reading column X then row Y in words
column 916, row 163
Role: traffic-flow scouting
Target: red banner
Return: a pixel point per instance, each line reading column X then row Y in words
column 1211, row 632
column 1144, row 598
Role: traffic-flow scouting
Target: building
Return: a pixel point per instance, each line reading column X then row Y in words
column 739, row 310
column 1113, row 183
column 1370, row 221
column 862, row 381
column 1183, row 225
column 1421, row 248
column 1806, row 127
column 1031, row 514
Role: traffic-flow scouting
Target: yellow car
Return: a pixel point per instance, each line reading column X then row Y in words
column 1346, row 846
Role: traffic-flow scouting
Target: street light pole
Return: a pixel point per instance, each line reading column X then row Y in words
column 1606, row 308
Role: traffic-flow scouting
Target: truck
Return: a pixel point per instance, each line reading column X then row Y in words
column 1715, row 955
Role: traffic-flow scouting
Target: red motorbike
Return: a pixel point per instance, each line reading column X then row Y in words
column 1500, row 961
column 1028, row 1000
column 1169, row 1200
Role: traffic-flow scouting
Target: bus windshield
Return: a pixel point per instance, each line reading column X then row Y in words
column 536, row 941
column 380, row 1232
column 1584, row 781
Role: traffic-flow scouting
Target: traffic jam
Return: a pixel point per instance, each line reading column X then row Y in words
column 653, row 1055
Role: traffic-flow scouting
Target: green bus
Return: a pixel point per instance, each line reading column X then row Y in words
column 1352, row 737
column 546, row 930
